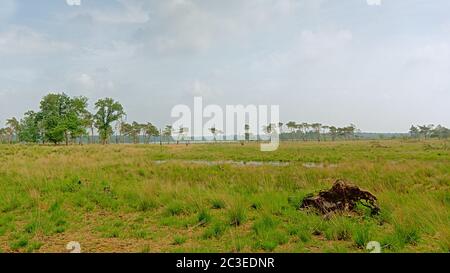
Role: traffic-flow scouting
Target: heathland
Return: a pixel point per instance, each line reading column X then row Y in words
column 222, row 197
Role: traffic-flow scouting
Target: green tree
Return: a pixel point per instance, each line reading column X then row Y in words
column 30, row 130
column 342, row 132
column 317, row 127
column 414, row 131
column 325, row 130
column 214, row 131
column 89, row 123
column 292, row 126
column 13, row 127
column 268, row 129
column 350, row 130
column 3, row 135
column 125, row 130
column 108, row 111
column 62, row 117
column 247, row 132
column 425, row 130
column 280, row 127
column 168, row 132
column 150, row 130
column 78, row 118
column 54, row 109
column 182, row 133
column 136, row 129
column 333, row 132
column 440, row 132
column 304, row 128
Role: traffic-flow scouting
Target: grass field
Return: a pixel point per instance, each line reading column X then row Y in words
column 148, row 198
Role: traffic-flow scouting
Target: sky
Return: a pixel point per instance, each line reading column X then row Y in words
column 380, row 64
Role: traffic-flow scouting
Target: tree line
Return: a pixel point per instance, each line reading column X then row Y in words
column 64, row 119
column 317, row 131
column 429, row 131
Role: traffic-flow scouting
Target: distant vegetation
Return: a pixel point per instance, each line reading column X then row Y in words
column 316, row 131
column 64, row 119
column 429, row 131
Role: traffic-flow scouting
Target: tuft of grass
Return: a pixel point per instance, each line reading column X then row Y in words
column 141, row 172
column 237, row 214
column 140, row 233
column 179, row 240
column 34, row 246
column 218, row 204
column 407, row 234
column 204, row 216
column 216, row 230
column 6, row 223
column 362, row 235
column 339, row 229
column 19, row 243
column 113, row 229
column 266, row 234
column 146, row 205
column 403, row 235
column 265, row 224
column 175, row 208
column 269, row 240
column 296, row 200
column 301, row 231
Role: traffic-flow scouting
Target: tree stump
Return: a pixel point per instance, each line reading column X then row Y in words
column 342, row 196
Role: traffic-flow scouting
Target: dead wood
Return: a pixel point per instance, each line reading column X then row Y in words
column 342, row 196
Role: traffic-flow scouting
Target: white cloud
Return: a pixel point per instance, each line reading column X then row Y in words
column 310, row 48
column 23, row 40
column 73, row 2
column 112, row 51
column 373, row 2
column 92, row 84
column 193, row 26
column 202, row 89
column 130, row 12
column 86, row 81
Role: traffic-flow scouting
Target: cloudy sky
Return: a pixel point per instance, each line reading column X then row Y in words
column 382, row 67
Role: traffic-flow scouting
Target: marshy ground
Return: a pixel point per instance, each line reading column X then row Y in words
column 222, row 197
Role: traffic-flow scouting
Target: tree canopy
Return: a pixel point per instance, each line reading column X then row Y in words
column 108, row 111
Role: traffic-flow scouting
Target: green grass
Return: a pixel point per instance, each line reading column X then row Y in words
column 179, row 240
column 204, row 216
column 119, row 199
column 219, row 204
column 237, row 214
column 216, row 230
